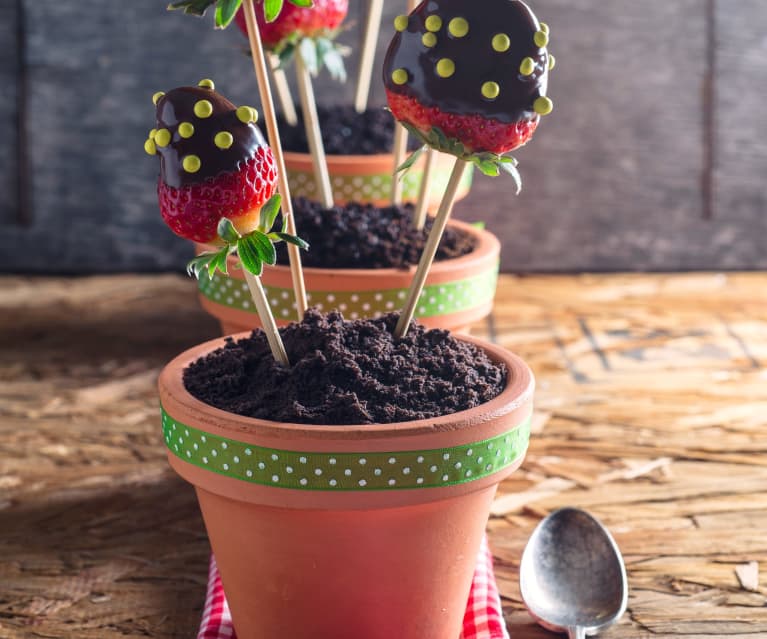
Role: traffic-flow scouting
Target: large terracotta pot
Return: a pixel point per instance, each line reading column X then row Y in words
column 458, row 292
column 368, row 178
column 347, row 532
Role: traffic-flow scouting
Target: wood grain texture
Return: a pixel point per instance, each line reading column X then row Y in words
column 740, row 160
column 651, row 413
column 9, row 63
column 613, row 178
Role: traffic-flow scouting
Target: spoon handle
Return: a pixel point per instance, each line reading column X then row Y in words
column 576, row 632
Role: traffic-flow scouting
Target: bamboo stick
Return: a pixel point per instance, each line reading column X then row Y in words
column 372, row 29
column 267, row 104
column 419, row 215
column 313, row 134
column 267, row 319
column 430, row 250
column 281, row 87
column 400, row 148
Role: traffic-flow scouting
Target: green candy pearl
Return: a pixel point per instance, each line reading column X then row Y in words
column 527, row 67
column 543, row 105
column 501, row 42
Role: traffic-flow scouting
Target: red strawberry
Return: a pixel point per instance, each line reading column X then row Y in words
column 475, row 131
column 194, row 212
column 214, row 163
column 469, row 77
column 324, row 15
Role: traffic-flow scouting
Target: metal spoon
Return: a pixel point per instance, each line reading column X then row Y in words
column 572, row 575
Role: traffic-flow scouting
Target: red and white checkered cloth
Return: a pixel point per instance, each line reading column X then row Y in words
column 483, row 618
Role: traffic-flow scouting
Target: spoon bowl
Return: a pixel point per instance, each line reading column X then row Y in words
column 572, row 575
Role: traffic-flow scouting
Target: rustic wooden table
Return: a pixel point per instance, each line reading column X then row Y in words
column 652, row 414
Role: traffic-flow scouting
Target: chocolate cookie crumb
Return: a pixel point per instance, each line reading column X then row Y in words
column 364, row 236
column 347, row 372
column 345, row 132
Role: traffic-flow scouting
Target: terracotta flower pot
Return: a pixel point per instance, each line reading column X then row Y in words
column 458, row 292
column 368, row 178
column 347, row 532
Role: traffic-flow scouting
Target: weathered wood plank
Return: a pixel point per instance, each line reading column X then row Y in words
column 94, row 201
column 613, row 176
column 740, row 160
column 94, row 198
column 102, row 541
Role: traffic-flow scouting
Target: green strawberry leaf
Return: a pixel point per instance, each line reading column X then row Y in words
column 410, row 161
column 249, row 258
column 293, row 239
column 222, row 262
column 227, row 9
column 192, row 7
column 331, row 56
column 307, row 49
column 490, row 164
column 269, row 213
column 254, row 249
column 272, row 9
column 488, row 168
column 208, row 262
column 261, row 245
column 319, row 51
column 512, row 170
column 227, row 232
column 225, row 12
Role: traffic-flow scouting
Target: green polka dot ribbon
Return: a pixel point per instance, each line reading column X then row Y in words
column 363, row 188
column 436, row 299
column 343, row 472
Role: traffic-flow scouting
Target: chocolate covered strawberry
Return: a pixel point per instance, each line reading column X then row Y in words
column 217, row 177
column 318, row 20
column 286, row 25
column 214, row 163
column 308, row 29
column 470, row 78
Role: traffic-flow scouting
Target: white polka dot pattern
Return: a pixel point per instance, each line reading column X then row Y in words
column 375, row 187
column 435, row 301
column 345, row 471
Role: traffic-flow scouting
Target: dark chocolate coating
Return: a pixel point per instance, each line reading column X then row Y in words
column 476, row 62
column 177, row 106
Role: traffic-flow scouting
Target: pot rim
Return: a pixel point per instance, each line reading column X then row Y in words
column 341, row 159
column 488, row 246
column 515, row 397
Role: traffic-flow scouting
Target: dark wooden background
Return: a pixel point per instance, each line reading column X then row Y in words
column 654, row 159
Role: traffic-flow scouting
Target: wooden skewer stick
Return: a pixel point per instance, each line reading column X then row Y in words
column 400, row 149
column 267, row 319
column 419, row 215
column 313, row 134
column 282, row 89
column 400, row 143
column 430, row 250
column 372, row 29
column 267, row 104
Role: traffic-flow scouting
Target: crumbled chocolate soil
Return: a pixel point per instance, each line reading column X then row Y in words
column 364, row 236
column 346, row 372
column 345, row 132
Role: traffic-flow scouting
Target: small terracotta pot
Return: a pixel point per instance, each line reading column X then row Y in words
column 458, row 292
column 368, row 178
column 347, row 532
